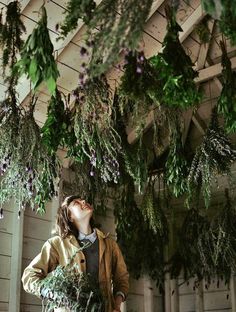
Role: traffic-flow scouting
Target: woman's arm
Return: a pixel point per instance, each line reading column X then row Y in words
column 120, row 276
column 45, row 262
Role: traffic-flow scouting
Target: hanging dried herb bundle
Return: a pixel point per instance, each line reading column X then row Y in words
column 151, row 208
column 30, row 172
column 139, row 82
column 176, row 166
column 203, row 30
column 188, row 256
column 66, row 287
column 120, row 25
column 227, row 101
column 225, row 11
column 10, row 34
column 37, row 60
column 223, row 239
column 174, row 68
column 136, row 164
column 94, row 129
column 55, row 126
column 142, row 248
column 75, row 10
column 214, row 156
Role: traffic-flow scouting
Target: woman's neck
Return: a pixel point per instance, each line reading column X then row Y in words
column 84, row 227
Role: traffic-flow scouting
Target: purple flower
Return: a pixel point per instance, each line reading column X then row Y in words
column 83, row 51
column 139, row 70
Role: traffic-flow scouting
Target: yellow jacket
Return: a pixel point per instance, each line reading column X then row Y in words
column 113, row 273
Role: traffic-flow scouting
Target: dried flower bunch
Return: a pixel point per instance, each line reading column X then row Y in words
column 94, row 129
column 28, row 171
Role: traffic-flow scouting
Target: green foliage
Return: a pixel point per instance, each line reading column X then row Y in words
column 176, row 166
column 190, row 250
column 27, row 170
column 94, row 129
column 10, row 34
column 174, row 68
column 76, row 10
column 203, row 31
column 37, row 60
column 66, row 287
column 55, row 126
column 214, row 156
column 151, row 208
column 139, row 82
column 223, row 241
column 136, row 164
column 120, row 24
column 225, row 11
column 227, row 101
column 142, row 248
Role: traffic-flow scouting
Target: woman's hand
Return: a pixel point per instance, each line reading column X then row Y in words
column 118, row 301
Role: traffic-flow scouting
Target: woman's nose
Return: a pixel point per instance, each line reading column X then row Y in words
column 83, row 202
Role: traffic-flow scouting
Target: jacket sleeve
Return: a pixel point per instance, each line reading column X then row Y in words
column 45, row 262
column 119, row 271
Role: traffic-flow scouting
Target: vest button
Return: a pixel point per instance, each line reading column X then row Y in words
column 82, row 261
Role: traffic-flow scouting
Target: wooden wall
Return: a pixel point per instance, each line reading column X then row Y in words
column 143, row 295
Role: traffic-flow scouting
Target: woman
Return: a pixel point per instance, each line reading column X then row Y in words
column 102, row 259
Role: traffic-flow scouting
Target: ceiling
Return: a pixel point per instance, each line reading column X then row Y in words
column 206, row 57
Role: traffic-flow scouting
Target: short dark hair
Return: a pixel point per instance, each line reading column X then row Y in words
column 64, row 226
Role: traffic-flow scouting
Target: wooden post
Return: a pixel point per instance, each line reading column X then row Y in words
column 167, row 293
column 174, row 293
column 16, row 262
column 199, row 297
column 233, row 292
column 148, row 294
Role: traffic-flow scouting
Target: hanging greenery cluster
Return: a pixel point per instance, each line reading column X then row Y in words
column 207, row 249
column 176, row 166
column 152, row 208
column 174, row 68
column 66, row 287
column 10, row 34
column 227, row 101
column 76, row 10
column 28, row 172
column 55, row 127
column 223, row 240
column 139, row 82
column 142, row 247
column 119, row 26
column 214, row 156
column 37, row 60
column 188, row 257
column 94, row 129
column 225, row 11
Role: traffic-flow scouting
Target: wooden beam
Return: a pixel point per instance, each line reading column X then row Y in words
column 148, row 294
column 155, row 6
column 212, row 71
column 188, row 26
column 199, row 123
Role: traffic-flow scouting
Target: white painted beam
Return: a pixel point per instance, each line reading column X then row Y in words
column 148, row 294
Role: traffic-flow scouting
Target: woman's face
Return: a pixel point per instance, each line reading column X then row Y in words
column 79, row 210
